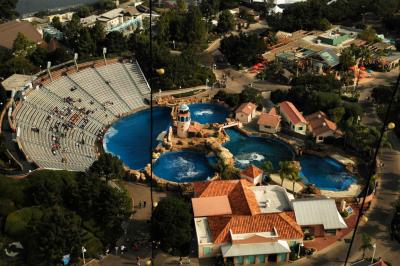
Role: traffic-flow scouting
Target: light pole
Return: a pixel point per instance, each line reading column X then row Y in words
column 373, row 253
column 300, row 246
column 75, row 60
column 83, row 254
column 104, row 55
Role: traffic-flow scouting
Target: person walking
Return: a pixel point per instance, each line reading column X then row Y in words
column 144, row 204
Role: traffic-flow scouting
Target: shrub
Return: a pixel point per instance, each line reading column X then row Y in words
column 17, row 222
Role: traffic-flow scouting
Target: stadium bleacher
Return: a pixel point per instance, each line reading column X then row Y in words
column 61, row 121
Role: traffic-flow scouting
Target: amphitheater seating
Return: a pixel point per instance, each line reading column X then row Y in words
column 61, row 121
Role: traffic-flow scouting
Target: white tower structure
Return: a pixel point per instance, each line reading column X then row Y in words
column 183, row 121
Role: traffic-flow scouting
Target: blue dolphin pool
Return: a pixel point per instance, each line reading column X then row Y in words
column 208, row 113
column 326, row 173
column 255, row 150
column 183, row 166
column 129, row 137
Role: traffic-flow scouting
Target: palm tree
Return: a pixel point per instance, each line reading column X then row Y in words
column 366, row 243
column 267, row 168
column 284, row 170
column 294, row 177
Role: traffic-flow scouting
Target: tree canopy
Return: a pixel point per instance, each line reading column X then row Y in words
column 108, row 166
column 56, row 234
column 7, row 9
column 172, row 220
column 244, row 49
column 52, row 211
column 226, row 21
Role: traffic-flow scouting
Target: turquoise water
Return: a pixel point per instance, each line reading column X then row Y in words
column 183, row 166
column 207, row 113
column 255, row 150
column 129, row 138
column 324, row 172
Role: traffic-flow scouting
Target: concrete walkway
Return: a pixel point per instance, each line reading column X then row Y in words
column 286, row 183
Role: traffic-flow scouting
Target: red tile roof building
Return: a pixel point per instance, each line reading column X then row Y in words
column 246, row 112
column 253, row 174
column 321, row 127
column 296, row 120
column 269, row 122
column 246, row 232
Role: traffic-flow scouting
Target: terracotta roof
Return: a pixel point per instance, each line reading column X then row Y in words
column 320, row 124
column 272, row 121
column 241, row 198
column 286, row 227
column 273, row 111
column 252, row 171
column 246, row 108
column 9, row 31
column 291, row 112
column 211, row 206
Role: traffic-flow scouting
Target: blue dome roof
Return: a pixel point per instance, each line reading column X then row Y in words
column 183, row 107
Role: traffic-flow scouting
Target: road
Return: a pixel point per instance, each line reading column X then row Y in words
column 378, row 224
column 381, row 211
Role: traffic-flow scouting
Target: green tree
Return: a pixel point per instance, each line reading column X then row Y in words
column 267, row 167
column 7, row 9
column 46, row 187
column 115, row 42
column 72, row 31
column 209, row 8
column 85, row 45
column 56, row 23
column 114, row 207
column 20, row 65
column 173, row 215
column 226, row 22
column 39, row 56
column 251, row 95
column 84, row 11
column 244, row 49
column 59, row 55
column 181, row 5
column 284, row 171
column 294, row 174
column 104, row 5
column 289, row 170
column 366, row 243
column 107, row 166
column 57, row 233
column 368, row 34
column 22, row 46
column 195, row 27
column 229, row 172
column 272, row 71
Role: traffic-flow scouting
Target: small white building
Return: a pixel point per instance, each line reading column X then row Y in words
column 246, row 112
column 293, row 117
column 121, row 19
column 253, row 174
column 269, row 122
column 321, row 127
column 318, row 216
